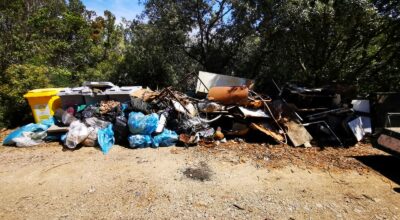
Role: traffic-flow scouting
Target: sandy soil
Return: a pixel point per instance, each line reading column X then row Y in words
column 245, row 182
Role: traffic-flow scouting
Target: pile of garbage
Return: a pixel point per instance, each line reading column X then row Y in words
column 223, row 107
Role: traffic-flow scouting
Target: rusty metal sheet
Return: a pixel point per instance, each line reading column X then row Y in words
column 234, row 95
column 391, row 143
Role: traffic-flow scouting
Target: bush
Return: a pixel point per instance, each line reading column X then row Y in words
column 15, row 82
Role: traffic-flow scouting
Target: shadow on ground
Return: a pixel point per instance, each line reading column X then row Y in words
column 387, row 165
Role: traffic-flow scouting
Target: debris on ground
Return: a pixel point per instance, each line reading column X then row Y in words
column 223, row 108
column 201, row 172
column 330, row 159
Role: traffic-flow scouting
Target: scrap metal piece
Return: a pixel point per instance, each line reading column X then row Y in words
column 180, row 101
column 381, row 105
column 235, row 95
column 389, row 139
column 251, row 113
column 187, row 109
column 211, row 120
column 360, row 105
column 208, row 80
column 209, row 107
column 238, row 129
column 304, row 97
column 272, row 116
column 191, row 125
column 392, row 120
column 326, row 127
column 255, row 104
column 366, row 124
column 321, row 115
column 297, row 133
column 276, row 136
column 389, row 142
column 356, row 127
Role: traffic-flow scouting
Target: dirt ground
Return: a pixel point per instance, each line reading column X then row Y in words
column 235, row 180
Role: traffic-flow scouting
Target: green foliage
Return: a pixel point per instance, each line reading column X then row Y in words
column 308, row 42
column 59, row 77
column 152, row 58
column 56, row 37
column 17, row 80
column 314, row 43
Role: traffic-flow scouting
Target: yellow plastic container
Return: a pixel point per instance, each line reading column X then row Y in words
column 43, row 102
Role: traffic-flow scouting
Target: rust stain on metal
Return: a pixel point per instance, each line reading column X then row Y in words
column 229, row 95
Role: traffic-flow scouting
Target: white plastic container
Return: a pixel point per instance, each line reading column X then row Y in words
column 121, row 94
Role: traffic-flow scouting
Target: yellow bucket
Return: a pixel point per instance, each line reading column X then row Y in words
column 43, row 102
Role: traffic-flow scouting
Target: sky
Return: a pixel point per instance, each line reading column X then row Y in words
column 120, row 8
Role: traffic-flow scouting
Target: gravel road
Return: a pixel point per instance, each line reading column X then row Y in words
column 234, row 181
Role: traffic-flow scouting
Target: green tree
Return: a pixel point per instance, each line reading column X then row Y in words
column 59, row 36
column 18, row 79
column 152, row 57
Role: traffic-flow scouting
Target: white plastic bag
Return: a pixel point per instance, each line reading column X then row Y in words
column 25, row 142
column 77, row 133
column 29, row 139
column 91, row 140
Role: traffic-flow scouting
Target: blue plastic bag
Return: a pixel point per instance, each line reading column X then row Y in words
column 133, row 122
column 106, row 139
column 42, row 126
column 27, row 128
column 165, row 139
column 138, row 140
column 124, row 107
column 142, row 124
